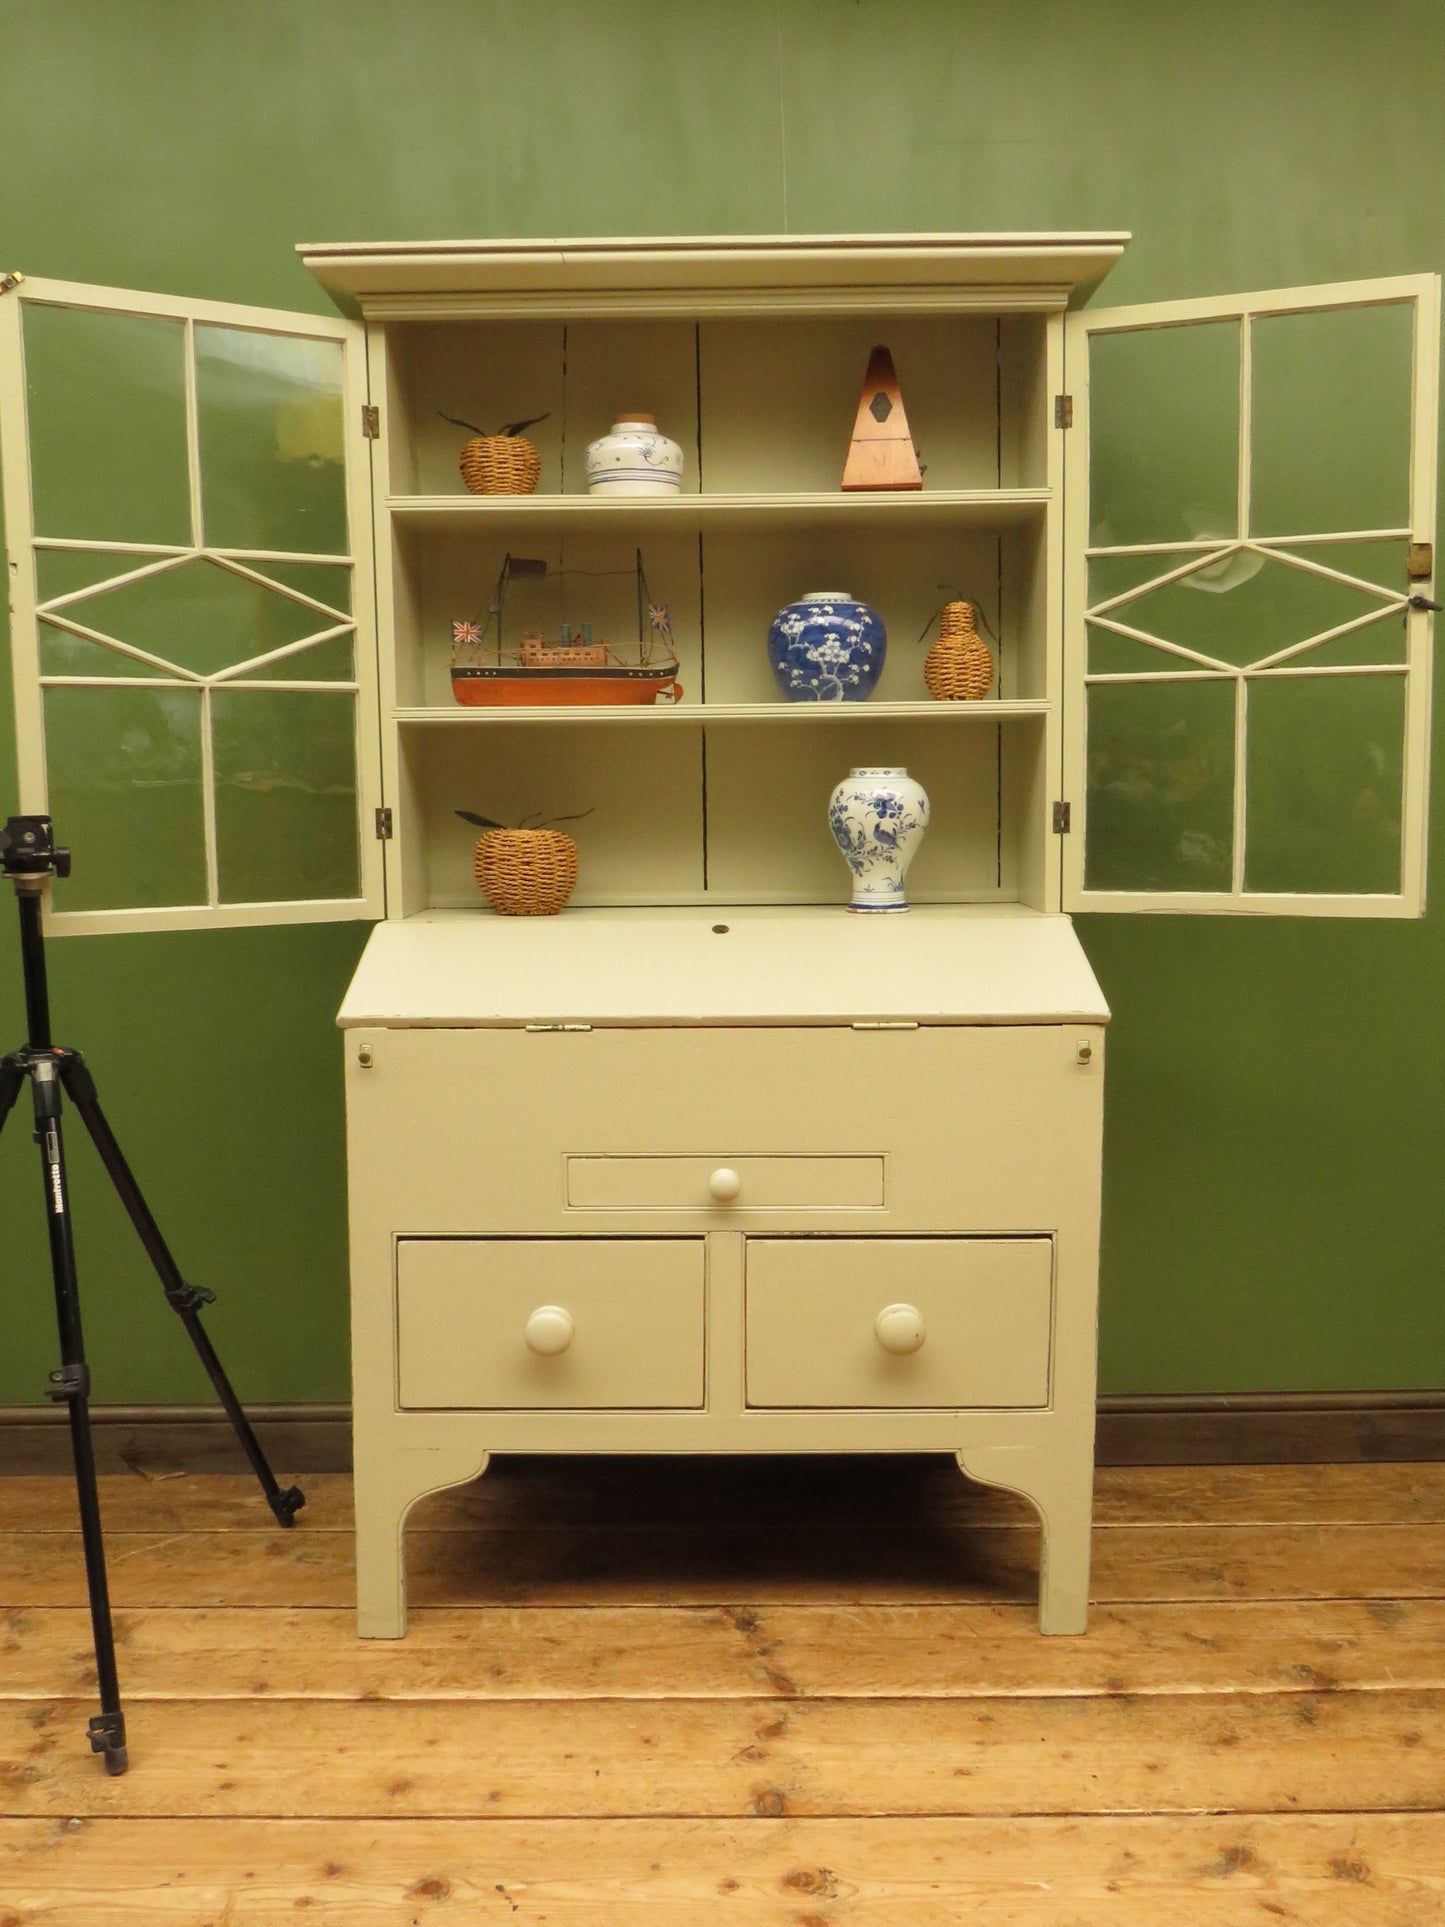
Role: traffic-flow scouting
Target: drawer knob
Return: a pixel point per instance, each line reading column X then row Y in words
column 899, row 1328
column 549, row 1331
column 724, row 1184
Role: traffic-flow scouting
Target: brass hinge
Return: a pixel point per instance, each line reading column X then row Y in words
column 1063, row 411
column 370, row 421
column 1063, row 818
column 557, row 1027
column 9, row 281
column 383, row 826
column 1420, row 561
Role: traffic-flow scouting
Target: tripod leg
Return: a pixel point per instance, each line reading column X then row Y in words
column 12, row 1076
column 185, row 1300
column 72, row 1384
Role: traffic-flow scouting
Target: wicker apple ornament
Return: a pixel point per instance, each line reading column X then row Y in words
column 529, row 871
column 504, row 463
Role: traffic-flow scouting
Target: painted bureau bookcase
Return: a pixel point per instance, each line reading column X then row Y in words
column 705, row 1163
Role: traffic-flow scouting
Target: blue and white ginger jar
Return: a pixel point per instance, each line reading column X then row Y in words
column 634, row 460
column 878, row 817
column 827, row 648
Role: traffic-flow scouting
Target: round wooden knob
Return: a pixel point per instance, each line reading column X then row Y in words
column 899, row 1328
column 549, row 1331
column 724, row 1184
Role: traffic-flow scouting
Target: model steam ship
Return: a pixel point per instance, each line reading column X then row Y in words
column 572, row 668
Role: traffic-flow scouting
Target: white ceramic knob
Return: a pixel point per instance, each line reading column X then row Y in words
column 899, row 1328
column 549, row 1331
column 724, row 1184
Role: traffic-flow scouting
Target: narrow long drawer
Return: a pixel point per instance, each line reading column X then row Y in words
column 828, row 1320
column 783, row 1183
column 507, row 1324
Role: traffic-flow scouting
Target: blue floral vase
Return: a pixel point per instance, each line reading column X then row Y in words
column 827, row 648
column 878, row 817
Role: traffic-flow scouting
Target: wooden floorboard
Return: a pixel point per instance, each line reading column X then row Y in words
column 803, row 1693
column 701, row 1565
column 848, row 1651
column 1206, row 1870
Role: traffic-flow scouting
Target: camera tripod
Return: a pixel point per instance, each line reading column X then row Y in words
column 28, row 859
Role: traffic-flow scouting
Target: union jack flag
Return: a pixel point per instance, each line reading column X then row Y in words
column 466, row 635
column 658, row 616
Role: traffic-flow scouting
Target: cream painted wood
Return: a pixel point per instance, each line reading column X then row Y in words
column 760, row 520
column 534, row 1324
column 1026, row 1083
column 908, row 1322
column 763, row 966
column 634, row 1077
column 715, row 273
column 788, row 1183
column 986, row 714
column 647, row 517
column 1422, row 294
column 24, row 540
column 966, row 1120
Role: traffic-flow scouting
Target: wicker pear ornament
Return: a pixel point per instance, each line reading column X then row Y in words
column 959, row 667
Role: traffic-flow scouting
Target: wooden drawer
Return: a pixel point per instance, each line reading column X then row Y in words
column 786, row 1183
column 944, row 1129
column 985, row 1312
column 469, row 1333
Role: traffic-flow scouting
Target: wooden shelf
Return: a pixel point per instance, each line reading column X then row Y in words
column 690, row 513
column 671, row 714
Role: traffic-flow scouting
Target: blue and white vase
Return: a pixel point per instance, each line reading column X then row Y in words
column 878, row 817
column 827, row 648
column 634, row 460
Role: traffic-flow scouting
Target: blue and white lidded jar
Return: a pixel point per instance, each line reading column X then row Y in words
column 634, row 460
column 878, row 817
column 827, row 648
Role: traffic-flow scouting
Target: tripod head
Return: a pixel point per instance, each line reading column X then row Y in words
column 28, row 853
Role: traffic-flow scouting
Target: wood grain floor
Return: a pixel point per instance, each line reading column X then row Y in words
column 800, row 1693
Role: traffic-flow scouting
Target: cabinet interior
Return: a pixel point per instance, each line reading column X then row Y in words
column 724, row 796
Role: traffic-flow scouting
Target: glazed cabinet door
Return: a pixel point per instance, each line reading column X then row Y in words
column 1250, row 497
column 187, row 507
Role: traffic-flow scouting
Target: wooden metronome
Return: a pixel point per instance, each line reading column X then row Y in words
column 881, row 453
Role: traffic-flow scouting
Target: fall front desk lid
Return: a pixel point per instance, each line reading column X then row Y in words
column 716, row 964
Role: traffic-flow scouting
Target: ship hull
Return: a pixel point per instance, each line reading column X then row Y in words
column 490, row 687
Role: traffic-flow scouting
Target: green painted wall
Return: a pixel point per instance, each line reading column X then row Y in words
column 1273, row 1206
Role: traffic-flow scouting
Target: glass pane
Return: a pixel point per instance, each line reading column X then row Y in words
column 273, row 472
column 1331, row 443
column 1246, row 607
column 285, row 795
column 124, row 780
column 61, row 571
column 1164, row 433
column 106, row 398
column 1325, row 793
column 328, row 582
column 199, row 616
column 62, row 654
column 332, row 661
column 1378, row 562
column 1161, row 786
column 1382, row 563
column 1114, row 655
